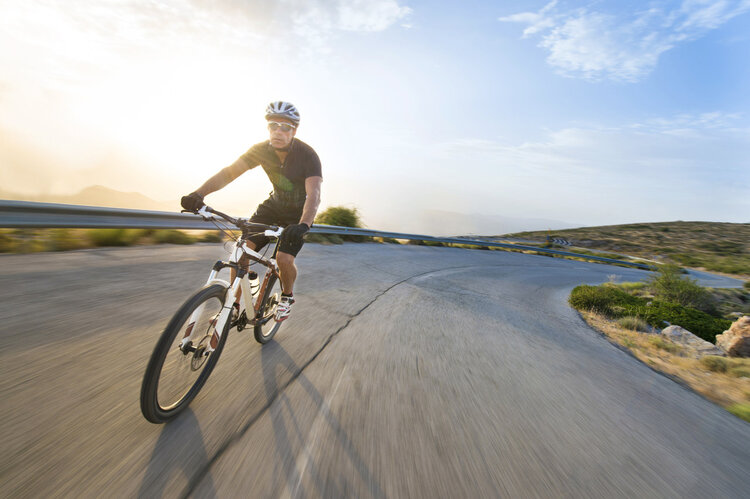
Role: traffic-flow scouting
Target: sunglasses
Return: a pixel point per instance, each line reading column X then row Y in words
column 275, row 125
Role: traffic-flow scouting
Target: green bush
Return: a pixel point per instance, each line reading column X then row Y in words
column 633, row 323
column 23, row 241
column 113, row 237
column 339, row 215
column 668, row 284
column 723, row 247
column 740, row 410
column 729, row 265
column 212, row 237
column 172, row 236
column 714, row 363
column 602, row 299
column 739, row 372
column 65, row 240
column 7, row 243
column 613, row 302
column 632, row 286
column 343, row 217
column 699, row 323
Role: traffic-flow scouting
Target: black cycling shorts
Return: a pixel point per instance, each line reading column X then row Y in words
column 272, row 212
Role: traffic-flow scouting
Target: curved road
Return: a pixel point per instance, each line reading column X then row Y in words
column 405, row 371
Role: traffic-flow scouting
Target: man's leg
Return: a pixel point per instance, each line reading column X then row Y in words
column 289, row 246
column 244, row 262
column 288, row 274
column 288, row 271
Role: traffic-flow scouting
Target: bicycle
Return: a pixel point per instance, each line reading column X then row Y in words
column 181, row 363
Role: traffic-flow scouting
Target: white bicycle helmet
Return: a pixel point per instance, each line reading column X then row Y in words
column 281, row 109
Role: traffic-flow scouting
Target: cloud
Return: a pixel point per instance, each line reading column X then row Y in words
column 141, row 26
column 366, row 15
column 317, row 21
column 597, row 45
column 669, row 168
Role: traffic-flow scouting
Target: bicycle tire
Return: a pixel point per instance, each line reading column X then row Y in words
column 266, row 328
column 158, row 411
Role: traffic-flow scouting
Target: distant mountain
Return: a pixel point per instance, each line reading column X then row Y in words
column 97, row 195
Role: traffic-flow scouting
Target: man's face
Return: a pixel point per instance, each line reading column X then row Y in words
column 279, row 138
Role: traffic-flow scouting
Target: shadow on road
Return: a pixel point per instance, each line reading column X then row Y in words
column 273, row 358
column 180, row 447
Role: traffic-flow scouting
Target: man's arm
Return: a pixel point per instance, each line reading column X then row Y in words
column 312, row 189
column 224, row 177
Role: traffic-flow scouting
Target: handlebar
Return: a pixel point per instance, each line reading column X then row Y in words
column 206, row 212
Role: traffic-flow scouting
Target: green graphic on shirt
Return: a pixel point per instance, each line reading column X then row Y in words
column 281, row 182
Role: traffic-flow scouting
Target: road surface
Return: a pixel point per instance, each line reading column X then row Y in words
column 404, row 371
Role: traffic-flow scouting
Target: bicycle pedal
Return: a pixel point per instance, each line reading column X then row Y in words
column 240, row 323
column 189, row 348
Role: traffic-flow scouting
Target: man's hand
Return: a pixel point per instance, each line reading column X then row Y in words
column 296, row 231
column 192, row 202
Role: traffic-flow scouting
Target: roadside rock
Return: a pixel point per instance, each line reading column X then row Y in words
column 735, row 341
column 695, row 345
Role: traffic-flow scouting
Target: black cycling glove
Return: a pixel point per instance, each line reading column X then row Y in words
column 192, row 202
column 296, row 231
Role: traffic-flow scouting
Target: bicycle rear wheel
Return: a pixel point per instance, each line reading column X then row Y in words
column 265, row 327
column 174, row 376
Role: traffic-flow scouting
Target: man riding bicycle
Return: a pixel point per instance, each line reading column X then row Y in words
column 294, row 169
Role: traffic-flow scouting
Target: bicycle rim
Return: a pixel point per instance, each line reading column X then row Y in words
column 175, row 376
column 265, row 327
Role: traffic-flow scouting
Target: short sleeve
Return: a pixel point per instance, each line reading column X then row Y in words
column 312, row 166
column 254, row 155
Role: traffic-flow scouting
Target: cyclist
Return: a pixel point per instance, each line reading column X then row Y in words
column 294, row 169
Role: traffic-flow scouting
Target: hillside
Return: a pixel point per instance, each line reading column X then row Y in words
column 715, row 246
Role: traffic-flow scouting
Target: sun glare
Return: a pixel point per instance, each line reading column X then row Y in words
column 181, row 115
column 89, row 98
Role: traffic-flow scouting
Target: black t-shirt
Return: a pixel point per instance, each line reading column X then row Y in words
column 288, row 179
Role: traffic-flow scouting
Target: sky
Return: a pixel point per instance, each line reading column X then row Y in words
column 432, row 117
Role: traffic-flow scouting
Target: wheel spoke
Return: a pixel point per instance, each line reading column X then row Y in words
column 181, row 370
column 266, row 326
column 175, row 375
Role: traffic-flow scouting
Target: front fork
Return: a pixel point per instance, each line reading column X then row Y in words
column 217, row 323
column 241, row 281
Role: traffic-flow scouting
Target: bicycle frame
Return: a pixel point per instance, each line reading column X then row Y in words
column 241, row 281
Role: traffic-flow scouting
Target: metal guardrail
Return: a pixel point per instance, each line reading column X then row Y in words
column 27, row 214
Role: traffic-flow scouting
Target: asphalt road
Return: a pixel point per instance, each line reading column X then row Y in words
column 404, row 371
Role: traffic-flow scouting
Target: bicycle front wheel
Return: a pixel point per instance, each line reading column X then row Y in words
column 265, row 327
column 176, row 372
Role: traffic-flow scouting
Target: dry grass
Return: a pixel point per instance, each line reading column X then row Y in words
column 729, row 389
column 37, row 240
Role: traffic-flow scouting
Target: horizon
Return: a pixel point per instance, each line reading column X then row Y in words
column 157, row 205
column 426, row 116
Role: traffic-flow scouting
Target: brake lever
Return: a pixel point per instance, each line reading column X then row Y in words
column 195, row 213
column 205, row 214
